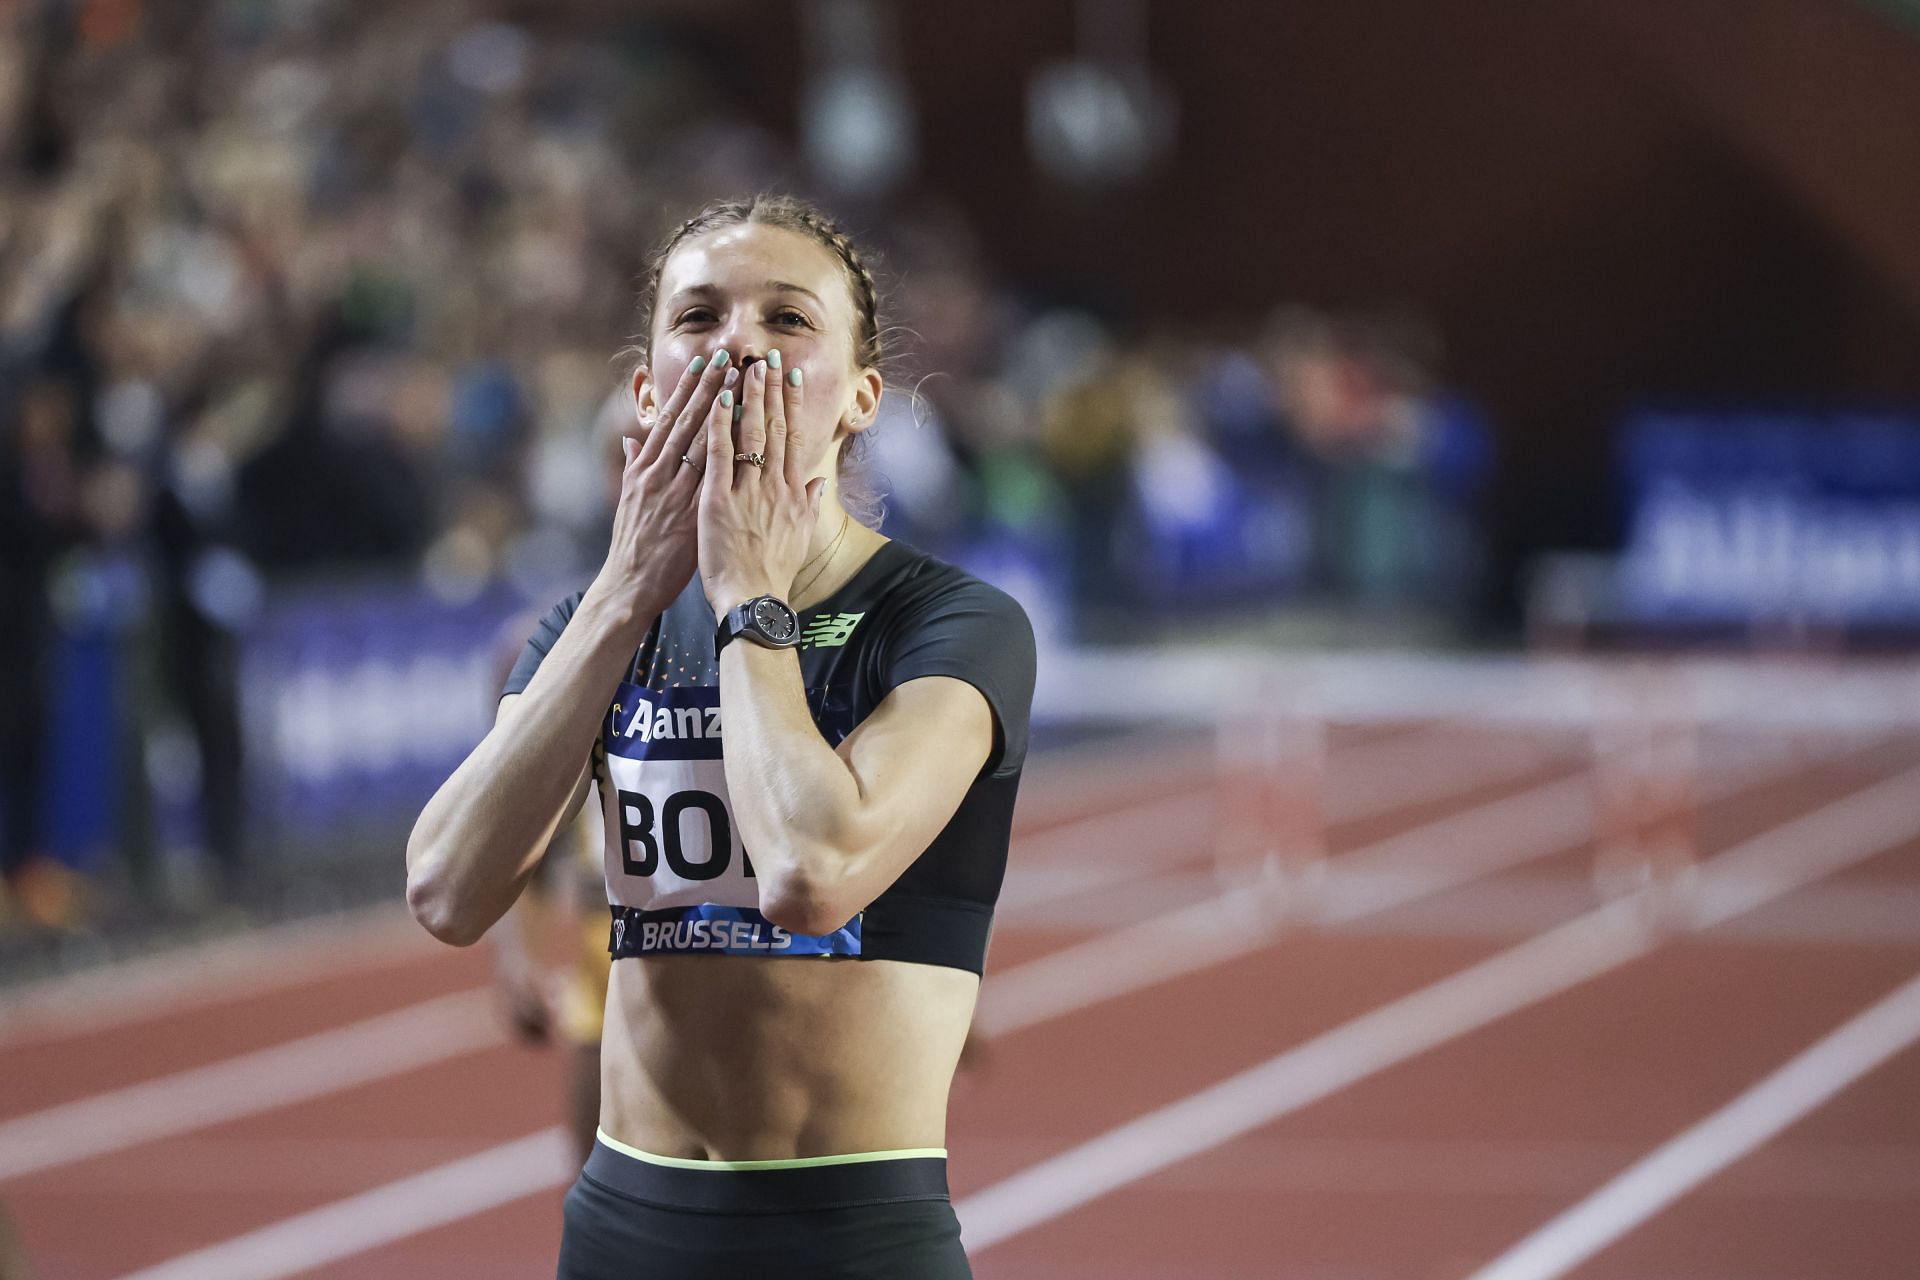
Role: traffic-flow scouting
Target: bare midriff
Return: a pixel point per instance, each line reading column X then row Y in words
column 742, row 1058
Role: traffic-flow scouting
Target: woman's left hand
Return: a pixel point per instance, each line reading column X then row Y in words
column 756, row 520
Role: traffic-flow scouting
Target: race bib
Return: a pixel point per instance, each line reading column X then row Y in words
column 674, row 859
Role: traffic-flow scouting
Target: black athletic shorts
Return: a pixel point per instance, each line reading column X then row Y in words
column 886, row 1217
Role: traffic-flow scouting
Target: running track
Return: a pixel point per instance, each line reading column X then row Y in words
column 1441, row 1054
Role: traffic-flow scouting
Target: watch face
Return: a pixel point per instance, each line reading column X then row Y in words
column 775, row 619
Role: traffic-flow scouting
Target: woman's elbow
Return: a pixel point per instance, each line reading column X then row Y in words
column 435, row 906
column 800, row 903
column 823, row 880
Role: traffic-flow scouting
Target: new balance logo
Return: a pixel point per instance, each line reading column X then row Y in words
column 830, row 630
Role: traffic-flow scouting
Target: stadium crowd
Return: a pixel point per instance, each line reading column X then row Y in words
column 297, row 287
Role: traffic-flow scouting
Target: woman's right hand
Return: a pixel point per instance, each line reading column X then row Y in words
column 652, row 554
column 524, row 1001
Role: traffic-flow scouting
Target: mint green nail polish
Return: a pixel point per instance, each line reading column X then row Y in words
column 793, row 378
column 699, row 363
column 720, row 360
column 726, row 399
column 773, row 358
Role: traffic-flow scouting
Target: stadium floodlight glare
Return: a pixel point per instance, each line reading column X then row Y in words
column 1100, row 118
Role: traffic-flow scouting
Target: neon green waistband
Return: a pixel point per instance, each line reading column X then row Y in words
column 803, row 1162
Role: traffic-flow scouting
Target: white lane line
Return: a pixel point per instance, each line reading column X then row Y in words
column 1138, row 838
column 1379, row 777
column 1159, row 831
column 1069, row 859
column 494, row 1177
column 1405, row 867
column 1872, row 913
column 1422, row 863
column 1848, row 830
column 1869, row 913
column 1058, row 785
column 1124, row 961
column 1837, row 1173
column 1434, row 858
column 1509, row 981
column 1430, row 858
column 1797, row 853
column 1457, row 849
column 416, row 1036
column 1761, row 1113
column 268, row 958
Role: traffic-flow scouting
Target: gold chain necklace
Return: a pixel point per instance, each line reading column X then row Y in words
column 846, row 518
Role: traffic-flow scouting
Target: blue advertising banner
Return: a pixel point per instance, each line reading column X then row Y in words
column 1758, row 517
column 360, row 700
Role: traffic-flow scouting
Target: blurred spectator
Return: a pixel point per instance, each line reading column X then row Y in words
column 36, row 505
column 1396, row 468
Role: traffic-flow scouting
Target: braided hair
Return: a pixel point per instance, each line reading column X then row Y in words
column 857, row 492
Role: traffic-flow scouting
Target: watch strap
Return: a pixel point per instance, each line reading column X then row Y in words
column 741, row 621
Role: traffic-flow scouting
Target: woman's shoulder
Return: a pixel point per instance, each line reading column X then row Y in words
column 941, row 620
column 920, row 578
column 537, row 636
column 931, row 605
column 562, row 612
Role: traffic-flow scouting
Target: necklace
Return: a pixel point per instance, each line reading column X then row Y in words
column 825, row 557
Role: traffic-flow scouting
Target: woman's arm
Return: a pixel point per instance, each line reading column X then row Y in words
column 830, row 829
column 480, row 836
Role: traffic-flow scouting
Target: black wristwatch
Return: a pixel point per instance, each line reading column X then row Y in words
column 766, row 620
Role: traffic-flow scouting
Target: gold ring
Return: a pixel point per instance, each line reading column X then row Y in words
column 752, row 459
column 691, row 463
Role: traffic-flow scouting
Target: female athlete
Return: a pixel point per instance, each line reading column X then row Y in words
column 806, row 739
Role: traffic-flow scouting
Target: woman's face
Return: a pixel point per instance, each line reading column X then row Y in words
column 749, row 288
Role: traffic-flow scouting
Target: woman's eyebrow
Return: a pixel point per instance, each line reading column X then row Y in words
column 693, row 291
column 782, row 286
column 772, row 286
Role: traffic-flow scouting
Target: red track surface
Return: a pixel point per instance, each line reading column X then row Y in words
column 1426, row 1168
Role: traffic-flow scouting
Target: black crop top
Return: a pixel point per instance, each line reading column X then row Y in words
column 678, row 879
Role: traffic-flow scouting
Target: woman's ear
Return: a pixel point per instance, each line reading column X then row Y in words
column 865, row 403
column 644, row 408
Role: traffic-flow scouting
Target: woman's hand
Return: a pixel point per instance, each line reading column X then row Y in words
column 651, row 555
column 525, row 1001
column 756, row 520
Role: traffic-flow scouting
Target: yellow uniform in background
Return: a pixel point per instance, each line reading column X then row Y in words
column 583, row 995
